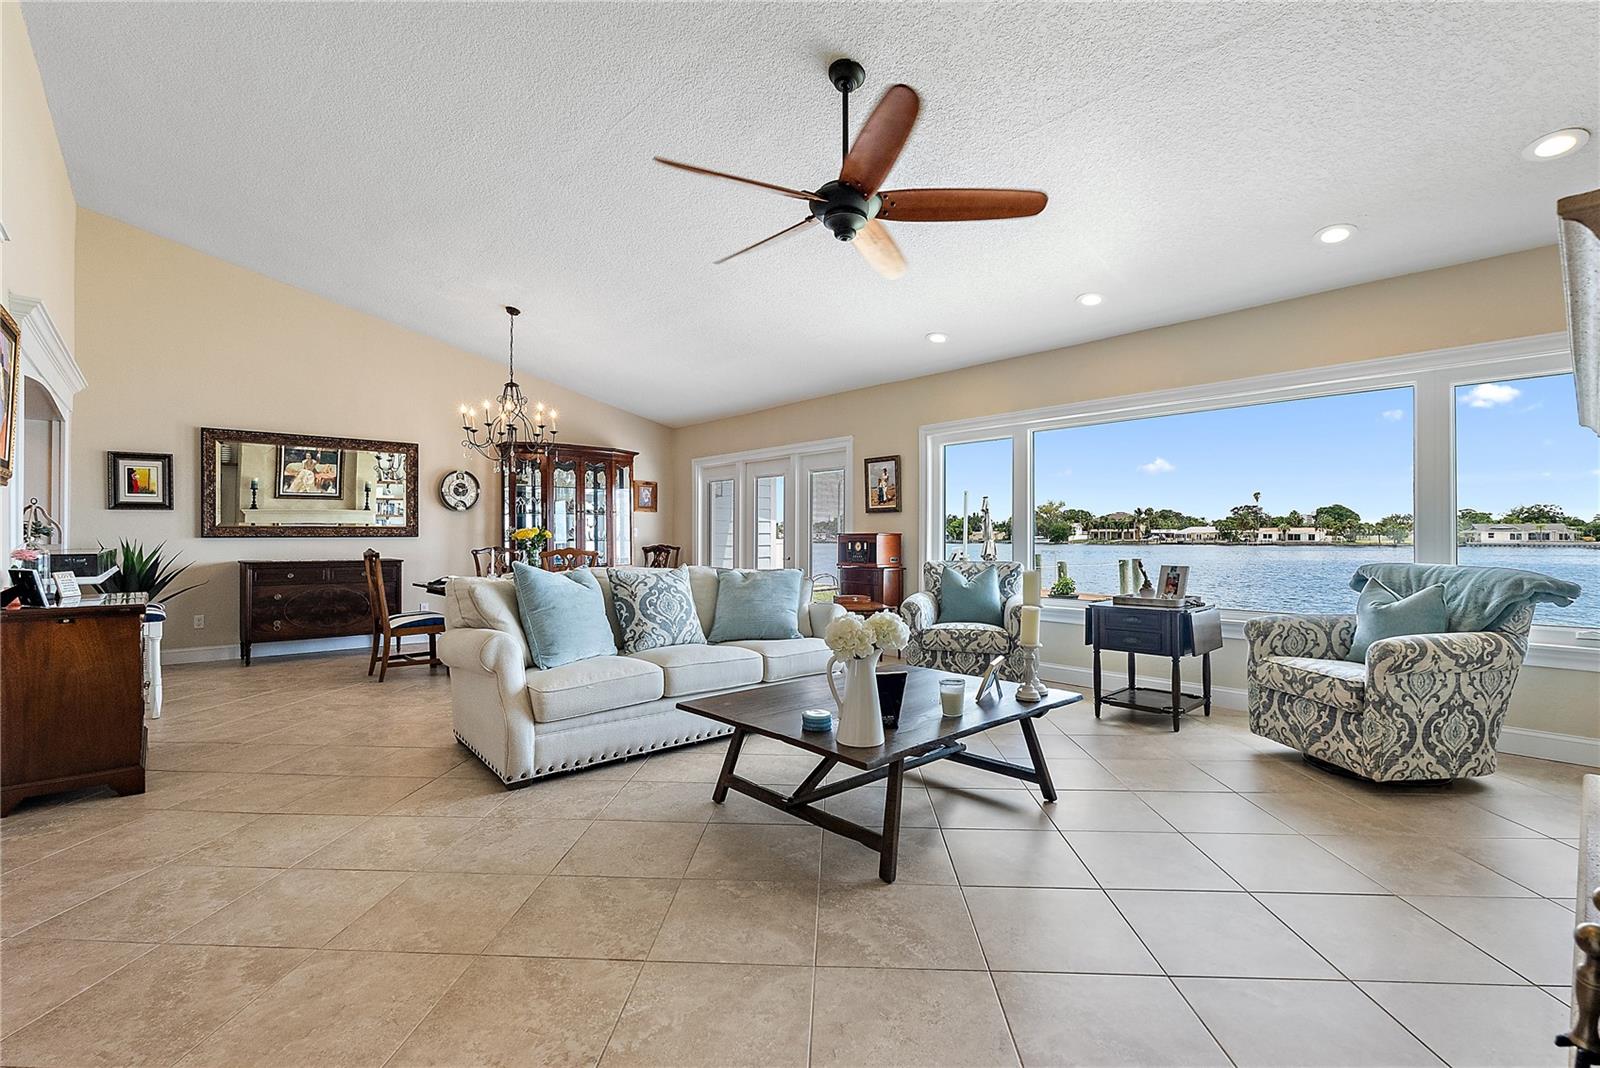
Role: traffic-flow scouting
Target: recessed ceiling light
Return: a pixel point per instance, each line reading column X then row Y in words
column 1089, row 300
column 1558, row 144
column 937, row 338
column 1335, row 234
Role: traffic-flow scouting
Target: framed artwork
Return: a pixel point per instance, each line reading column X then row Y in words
column 883, row 483
column 10, row 391
column 308, row 471
column 139, row 480
column 1174, row 580
column 644, row 496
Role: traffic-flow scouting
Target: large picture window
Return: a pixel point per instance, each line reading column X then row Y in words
column 1271, row 506
column 1273, row 490
column 1528, row 486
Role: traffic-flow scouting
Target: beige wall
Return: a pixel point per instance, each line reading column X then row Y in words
column 171, row 340
column 36, row 201
column 1488, row 300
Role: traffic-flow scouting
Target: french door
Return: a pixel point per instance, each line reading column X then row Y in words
column 774, row 509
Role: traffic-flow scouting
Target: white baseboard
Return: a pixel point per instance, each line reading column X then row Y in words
column 1514, row 741
column 207, row 654
column 1548, row 745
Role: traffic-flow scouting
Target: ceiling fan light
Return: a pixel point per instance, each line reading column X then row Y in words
column 1557, row 144
column 1337, row 234
column 938, row 338
column 1090, row 300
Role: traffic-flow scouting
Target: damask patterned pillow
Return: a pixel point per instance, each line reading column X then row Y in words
column 655, row 608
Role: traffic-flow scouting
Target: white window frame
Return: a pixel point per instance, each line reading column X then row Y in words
column 1432, row 376
column 735, row 465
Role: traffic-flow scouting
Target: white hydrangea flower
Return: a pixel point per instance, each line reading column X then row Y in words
column 889, row 631
column 848, row 636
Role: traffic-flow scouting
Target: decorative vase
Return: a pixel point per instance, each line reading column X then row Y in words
column 860, row 714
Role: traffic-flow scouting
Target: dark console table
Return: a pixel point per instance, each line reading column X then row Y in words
column 1170, row 632
column 292, row 600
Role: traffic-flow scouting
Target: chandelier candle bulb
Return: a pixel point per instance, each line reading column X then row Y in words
column 1030, row 587
column 1030, row 624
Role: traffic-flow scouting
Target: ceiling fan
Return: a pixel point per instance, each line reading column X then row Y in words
column 852, row 206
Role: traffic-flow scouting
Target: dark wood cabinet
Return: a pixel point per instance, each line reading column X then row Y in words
column 582, row 494
column 869, row 566
column 71, row 698
column 293, row 600
column 1168, row 632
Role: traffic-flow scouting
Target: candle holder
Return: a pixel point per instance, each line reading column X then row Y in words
column 1032, row 688
column 253, row 488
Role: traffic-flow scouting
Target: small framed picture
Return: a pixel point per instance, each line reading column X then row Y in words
column 1174, row 581
column 139, row 480
column 308, row 471
column 10, row 391
column 644, row 496
column 883, row 483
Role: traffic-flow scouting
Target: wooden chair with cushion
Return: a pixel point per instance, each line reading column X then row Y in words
column 661, row 555
column 388, row 629
column 491, row 561
column 568, row 559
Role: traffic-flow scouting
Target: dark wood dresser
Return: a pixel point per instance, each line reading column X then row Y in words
column 295, row 600
column 71, row 698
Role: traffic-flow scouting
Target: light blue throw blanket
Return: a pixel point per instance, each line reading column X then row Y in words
column 1475, row 597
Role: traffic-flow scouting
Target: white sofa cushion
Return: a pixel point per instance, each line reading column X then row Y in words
column 789, row 658
column 593, row 685
column 699, row 668
column 485, row 604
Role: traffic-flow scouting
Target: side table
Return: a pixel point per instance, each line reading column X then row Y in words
column 1169, row 632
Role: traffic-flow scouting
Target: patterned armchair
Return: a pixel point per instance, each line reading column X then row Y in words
column 964, row 648
column 1424, row 707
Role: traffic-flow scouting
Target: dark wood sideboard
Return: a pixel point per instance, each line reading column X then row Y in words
column 870, row 566
column 71, row 698
column 295, row 600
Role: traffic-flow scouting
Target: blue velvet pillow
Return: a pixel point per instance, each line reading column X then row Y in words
column 756, row 606
column 563, row 614
column 1380, row 614
column 974, row 600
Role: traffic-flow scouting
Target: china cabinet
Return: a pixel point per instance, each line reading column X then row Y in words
column 582, row 494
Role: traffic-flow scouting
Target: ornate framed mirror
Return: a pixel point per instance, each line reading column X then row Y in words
column 263, row 484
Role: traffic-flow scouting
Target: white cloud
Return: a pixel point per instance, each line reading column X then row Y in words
column 1158, row 466
column 1490, row 394
column 1394, row 415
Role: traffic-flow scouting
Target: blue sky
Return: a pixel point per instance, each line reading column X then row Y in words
column 1520, row 443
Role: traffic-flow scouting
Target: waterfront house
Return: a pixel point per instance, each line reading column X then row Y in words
column 1520, row 534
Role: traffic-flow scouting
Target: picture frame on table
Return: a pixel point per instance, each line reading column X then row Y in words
column 882, row 482
column 644, row 496
column 1173, row 581
column 10, row 391
column 139, row 480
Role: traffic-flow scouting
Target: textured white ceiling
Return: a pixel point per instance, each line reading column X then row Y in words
column 429, row 163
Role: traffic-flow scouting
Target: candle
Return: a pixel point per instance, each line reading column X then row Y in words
column 1030, row 626
column 1030, row 587
column 952, row 696
column 254, row 483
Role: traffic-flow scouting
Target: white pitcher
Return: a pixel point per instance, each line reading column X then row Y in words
column 860, row 715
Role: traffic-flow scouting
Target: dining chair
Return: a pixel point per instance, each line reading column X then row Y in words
column 661, row 555
column 492, row 560
column 389, row 628
column 568, row 559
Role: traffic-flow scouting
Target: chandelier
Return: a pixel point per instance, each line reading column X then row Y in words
column 508, row 423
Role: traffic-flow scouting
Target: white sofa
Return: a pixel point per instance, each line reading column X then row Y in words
column 525, row 724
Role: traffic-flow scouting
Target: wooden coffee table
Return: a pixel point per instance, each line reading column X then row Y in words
column 923, row 736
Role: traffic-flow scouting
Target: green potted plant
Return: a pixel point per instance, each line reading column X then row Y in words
column 146, row 571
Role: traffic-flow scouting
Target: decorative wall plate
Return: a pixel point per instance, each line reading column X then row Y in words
column 459, row 490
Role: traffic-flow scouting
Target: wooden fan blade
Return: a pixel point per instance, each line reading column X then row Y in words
column 879, row 250
column 798, row 194
column 796, row 228
column 878, row 144
column 960, row 205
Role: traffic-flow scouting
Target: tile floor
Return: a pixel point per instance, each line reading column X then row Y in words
column 318, row 874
